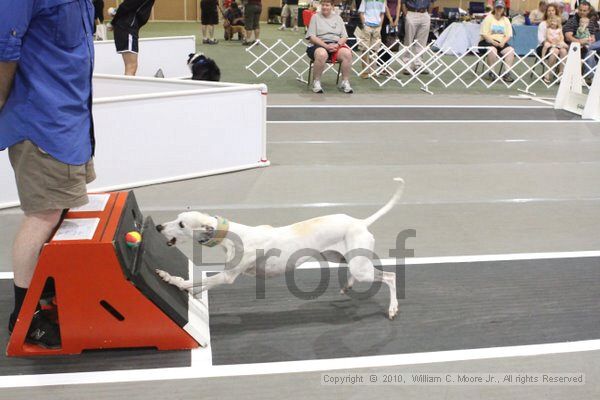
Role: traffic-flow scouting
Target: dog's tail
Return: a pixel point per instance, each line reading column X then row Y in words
column 389, row 205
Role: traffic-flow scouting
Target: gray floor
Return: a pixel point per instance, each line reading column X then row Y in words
column 449, row 307
column 472, row 188
column 415, row 114
column 308, row 386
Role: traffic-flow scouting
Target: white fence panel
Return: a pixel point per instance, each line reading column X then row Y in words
column 181, row 130
column 168, row 54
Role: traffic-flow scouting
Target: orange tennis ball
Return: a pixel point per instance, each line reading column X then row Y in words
column 133, row 239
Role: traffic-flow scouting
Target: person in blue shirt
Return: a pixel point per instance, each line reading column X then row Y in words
column 46, row 63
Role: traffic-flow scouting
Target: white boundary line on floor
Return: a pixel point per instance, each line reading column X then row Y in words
column 446, row 121
column 161, row 374
column 255, row 206
column 312, row 106
column 202, row 356
column 449, row 259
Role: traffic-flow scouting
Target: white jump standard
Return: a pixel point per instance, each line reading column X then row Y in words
column 266, row 251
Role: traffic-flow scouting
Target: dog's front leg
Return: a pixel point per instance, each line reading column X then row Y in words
column 226, row 277
column 177, row 281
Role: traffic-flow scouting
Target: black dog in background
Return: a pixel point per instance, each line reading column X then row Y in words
column 203, row 68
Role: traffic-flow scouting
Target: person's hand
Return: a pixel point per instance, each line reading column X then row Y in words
column 332, row 47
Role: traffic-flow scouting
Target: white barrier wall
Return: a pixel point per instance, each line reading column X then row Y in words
column 170, row 54
column 182, row 129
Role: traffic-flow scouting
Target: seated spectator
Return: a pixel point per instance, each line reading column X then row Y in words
column 583, row 28
column 327, row 35
column 555, row 42
column 556, row 53
column 496, row 31
column 233, row 22
column 537, row 16
column 562, row 13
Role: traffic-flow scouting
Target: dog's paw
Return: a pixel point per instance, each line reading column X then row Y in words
column 173, row 280
column 392, row 312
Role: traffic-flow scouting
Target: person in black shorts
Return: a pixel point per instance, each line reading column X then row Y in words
column 99, row 19
column 129, row 18
column 209, row 17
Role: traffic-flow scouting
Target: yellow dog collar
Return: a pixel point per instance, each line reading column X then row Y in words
column 220, row 232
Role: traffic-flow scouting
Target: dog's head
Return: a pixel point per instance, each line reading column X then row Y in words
column 187, row 225
column 203, row 68
column 192, row 57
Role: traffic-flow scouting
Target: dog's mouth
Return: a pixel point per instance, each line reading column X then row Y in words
column 205, row 237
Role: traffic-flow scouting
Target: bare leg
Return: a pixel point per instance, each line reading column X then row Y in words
column 34, row 231
column 509, row 56
column 551, row 61
column 319, row 63
column 492, row 56
column 561, row 66
column 211, row 32
column 131, row 63
column 204, row 32
column 345, row 58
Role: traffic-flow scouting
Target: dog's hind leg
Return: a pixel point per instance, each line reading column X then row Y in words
column 389, row 278
column 361, row 267
column 349, row 284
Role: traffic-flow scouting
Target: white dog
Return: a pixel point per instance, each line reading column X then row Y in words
column 265, row 250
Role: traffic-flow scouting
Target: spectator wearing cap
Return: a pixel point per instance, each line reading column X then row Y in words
column 416, row 28
column 496, row 31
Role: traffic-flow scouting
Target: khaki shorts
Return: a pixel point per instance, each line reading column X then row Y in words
column 45, row 183
column 368, row 37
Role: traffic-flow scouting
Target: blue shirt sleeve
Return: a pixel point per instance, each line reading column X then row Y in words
column 16, row 15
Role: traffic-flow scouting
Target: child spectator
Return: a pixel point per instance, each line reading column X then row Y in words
column 554, row 40
column 583, row 32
